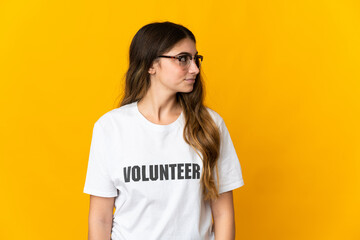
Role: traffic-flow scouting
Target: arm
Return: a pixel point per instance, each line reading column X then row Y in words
column 100, row 217
column 223, row 214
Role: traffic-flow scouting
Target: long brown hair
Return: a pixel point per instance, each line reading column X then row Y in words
column 200, row 131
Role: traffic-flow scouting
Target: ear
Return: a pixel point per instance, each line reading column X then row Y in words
column 155, row 64
column 151, row 70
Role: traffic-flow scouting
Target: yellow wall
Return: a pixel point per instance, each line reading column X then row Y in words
column 283, row 74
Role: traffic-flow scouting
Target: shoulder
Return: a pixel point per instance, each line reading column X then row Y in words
column 115, row 117
column 215, row 116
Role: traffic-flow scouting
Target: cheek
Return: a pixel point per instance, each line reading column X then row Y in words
column 174, row 77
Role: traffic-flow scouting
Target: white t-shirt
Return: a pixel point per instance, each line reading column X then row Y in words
column 155, row 176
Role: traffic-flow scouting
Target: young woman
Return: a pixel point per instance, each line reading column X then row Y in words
column 164, row 160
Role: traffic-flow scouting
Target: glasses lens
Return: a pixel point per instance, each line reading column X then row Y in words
column 184, row 60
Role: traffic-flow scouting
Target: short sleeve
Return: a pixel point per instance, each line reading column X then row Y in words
column 98, row 182
column 230, row 174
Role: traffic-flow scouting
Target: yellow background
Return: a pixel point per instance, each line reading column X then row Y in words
column 284, row 75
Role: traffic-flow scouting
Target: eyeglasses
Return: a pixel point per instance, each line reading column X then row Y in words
column 184, row 60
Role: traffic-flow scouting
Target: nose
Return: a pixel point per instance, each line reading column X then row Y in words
column 193, row 68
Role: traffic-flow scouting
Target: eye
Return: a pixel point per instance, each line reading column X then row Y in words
column 183, row 58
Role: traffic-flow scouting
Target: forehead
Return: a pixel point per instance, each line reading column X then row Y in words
column 184, row 46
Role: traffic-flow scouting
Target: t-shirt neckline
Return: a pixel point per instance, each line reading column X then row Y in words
column 155, row 126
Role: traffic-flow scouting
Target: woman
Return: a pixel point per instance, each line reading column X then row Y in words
column 164, row 160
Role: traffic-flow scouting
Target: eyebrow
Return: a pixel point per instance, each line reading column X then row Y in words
column 186, row 53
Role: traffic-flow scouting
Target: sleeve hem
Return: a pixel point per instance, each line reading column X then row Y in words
column 99, row 193
column 231, row 186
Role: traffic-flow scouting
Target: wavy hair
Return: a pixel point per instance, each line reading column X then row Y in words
column 200, row 131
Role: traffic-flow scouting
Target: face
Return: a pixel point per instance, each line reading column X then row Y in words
column 166, row 73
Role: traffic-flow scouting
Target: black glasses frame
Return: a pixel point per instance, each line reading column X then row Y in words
column 180, row 56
